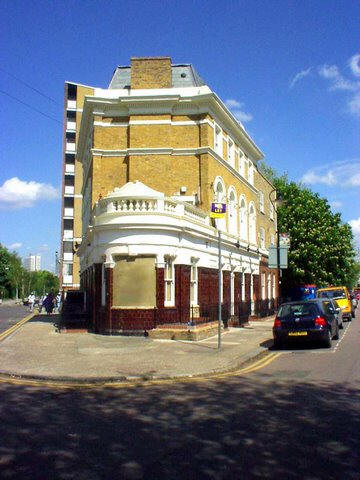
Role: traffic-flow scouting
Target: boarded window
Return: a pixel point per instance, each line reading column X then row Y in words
column 134, row 282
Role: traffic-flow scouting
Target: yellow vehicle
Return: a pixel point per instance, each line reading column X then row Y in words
column 342, row 297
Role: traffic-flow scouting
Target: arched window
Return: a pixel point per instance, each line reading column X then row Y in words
column 252, row 223
column 232, row 216
column 243, row 219
column 220, row 197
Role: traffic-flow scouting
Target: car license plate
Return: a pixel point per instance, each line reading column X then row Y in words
column 297, row 334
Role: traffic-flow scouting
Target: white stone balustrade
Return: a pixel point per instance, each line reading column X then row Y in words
column 120, row 202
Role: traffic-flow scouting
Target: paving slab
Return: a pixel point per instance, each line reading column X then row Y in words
column 36, row 350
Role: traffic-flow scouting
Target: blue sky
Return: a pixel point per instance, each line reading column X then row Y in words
column 290, row 70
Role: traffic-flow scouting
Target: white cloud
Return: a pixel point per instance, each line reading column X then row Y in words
column 44, row 248
column 299, row 76
column 236, row 109
column 231, row 103
column 338, row 81
column 354, row 104
column 336, row 204
column 345, row 174
column 354, row 63
column 15, row 246
column 311, row 178
column 355, row 225
column 16, row 193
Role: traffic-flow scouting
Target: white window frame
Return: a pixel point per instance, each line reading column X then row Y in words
column 271, row 211
column 252, row 223
column 232, row 212
column 169, row 282
column 262, row 237
column 269, row 288
column 241, row 166
column 272, row 239
column 250, row 172
column 261, row 202
column 243, row 219
column 218, row 140
column 231, row 152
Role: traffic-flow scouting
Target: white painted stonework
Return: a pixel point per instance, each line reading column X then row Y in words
column 137, row 220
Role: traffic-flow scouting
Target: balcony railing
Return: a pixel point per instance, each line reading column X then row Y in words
column 69, row 168
column 68, row 212
column 156, row 205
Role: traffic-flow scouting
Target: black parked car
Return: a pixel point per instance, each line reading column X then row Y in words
column 307, row 320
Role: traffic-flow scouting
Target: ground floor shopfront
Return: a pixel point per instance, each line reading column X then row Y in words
column 148, row 260
column 244, row 295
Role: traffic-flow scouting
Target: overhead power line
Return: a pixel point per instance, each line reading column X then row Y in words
column 30, row 106
column 29, row 86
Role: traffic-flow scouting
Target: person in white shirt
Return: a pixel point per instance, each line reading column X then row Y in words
column 31, row 301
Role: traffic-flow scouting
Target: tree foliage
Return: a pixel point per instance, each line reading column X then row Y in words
column 15, row 281
column 322, row 246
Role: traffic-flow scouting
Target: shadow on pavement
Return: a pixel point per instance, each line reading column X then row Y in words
column 234, row 428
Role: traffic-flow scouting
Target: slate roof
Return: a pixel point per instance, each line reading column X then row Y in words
column 183, row 75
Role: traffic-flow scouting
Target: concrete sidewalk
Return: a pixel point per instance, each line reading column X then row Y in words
column 36, row 350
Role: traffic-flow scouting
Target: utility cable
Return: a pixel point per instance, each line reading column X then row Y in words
column 29, row 86
column 30, row 106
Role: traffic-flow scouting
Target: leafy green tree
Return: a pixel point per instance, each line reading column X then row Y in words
column 5, row 286
column 322, row 246
column 15, row 280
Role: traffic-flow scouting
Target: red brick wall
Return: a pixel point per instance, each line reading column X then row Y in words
column 226, row 287
column 207, row 286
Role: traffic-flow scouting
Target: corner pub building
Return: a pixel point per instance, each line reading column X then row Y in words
column 144, row 159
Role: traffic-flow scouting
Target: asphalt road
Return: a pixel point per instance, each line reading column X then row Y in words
column 11, row 314
column 298, row 418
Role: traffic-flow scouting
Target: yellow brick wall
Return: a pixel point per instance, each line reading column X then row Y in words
column 107, row 173
column 150, row 136
column 77, row 218
column 151, row 72
column 110, row 138
column 166, row 173
column 80, row 95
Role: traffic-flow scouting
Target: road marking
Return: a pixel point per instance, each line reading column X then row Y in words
column 15, row 327
column 264, row 361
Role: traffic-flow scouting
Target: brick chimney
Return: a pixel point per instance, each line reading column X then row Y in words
column 151, row 72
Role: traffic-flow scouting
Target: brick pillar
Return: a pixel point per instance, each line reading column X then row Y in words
column 106, row 323
column 160, row 295
column 97, row 275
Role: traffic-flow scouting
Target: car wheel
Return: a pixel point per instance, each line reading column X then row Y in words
column 278, row 343
column 336, row 336
column 327, row 341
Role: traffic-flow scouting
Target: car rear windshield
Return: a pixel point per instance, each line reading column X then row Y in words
column 332, row 294
column 298, row 310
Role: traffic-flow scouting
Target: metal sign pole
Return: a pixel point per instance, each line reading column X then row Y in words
column 220, row 285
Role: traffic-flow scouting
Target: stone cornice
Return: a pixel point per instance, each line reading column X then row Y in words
column 167, row 103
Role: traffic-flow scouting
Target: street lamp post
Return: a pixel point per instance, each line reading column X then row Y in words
column 278, row 201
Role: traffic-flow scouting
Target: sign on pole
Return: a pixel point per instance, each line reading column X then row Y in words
column 218, row 210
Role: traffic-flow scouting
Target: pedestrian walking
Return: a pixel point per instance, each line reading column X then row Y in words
column 31, row 301
column 58, row 302
column 49, row 303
